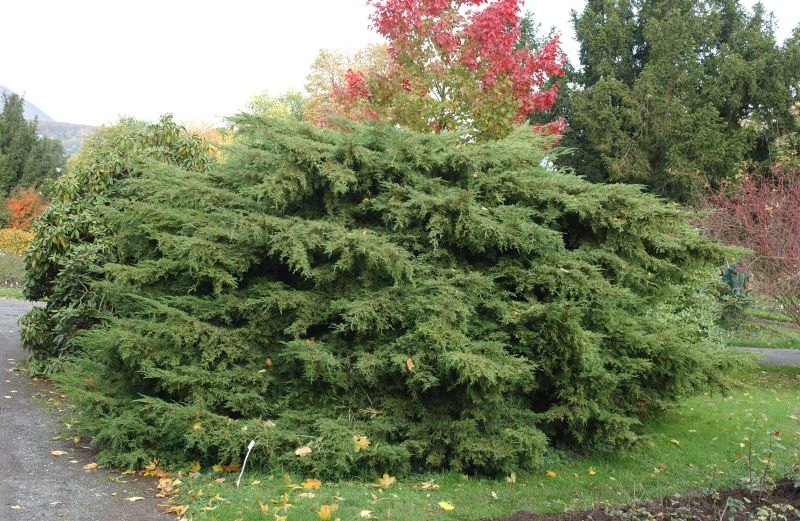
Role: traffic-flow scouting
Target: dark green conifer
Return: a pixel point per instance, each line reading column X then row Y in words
column 461, row 305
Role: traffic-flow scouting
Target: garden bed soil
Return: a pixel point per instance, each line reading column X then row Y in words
column 783, row 503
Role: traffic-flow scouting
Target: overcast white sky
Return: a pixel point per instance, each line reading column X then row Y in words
column 89, row 61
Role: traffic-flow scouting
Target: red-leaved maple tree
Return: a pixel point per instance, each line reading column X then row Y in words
column 457, row 65
column 762, row 213
column 22, row 206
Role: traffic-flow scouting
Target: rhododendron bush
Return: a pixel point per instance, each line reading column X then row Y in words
column 457, row 65
column 762, row 213
column 378, row 300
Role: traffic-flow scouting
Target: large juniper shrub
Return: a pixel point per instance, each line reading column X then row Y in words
column 72, row 237
column 458, row 305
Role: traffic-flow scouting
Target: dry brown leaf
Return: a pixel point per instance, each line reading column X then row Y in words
column 428, row 485
column 303, row 451
column 178, row 510
column 57, row 453
column 410, row 364
column 90, row 466
column 195, row 466
column 231, row 468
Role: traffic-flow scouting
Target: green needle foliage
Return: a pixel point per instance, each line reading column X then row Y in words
column 72, row 236
column 460, row 305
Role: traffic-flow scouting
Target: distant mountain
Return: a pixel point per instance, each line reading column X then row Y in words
column 31, row 110
column 70, row 134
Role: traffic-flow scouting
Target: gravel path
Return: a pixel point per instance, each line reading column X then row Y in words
column 34, row 485
column 790, row 357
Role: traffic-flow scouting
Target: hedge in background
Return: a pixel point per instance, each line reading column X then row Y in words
column 378, row 300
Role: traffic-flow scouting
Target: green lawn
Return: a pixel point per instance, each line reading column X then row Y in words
column 752, row 334
column 767, row 314
column 704, row 443
column 15, row 293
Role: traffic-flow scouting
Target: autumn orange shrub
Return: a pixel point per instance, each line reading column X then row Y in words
column 14, row 240
column 23, row 206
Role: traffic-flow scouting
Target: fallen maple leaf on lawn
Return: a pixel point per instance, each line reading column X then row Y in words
column 311, row 484
column 360, row 442
column 326, row 510
column 387, row 481
column 178, row 510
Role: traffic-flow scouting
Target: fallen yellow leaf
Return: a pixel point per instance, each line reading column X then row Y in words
column 445, row 505
column 410, row 364
column 366, row 514
column 551, row 474
column 90, row 466
column 360, row 442
column 312, row 484
column 57, row 453
column 387, row 481
column 303, row 451
column 264, row 506
column 591, row 471
column 325, row 511
column 675, row 442
column 195, row 466
column 512, row 478
column 494, row 494
column 197, row 425
column 178, row 510
column 216, row 468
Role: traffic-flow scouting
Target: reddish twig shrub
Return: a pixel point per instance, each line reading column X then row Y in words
column 762, row 213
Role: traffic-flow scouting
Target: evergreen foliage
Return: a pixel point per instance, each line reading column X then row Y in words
column 71, row 235
column 461, row 306
column 676, row 94
column 26, row 159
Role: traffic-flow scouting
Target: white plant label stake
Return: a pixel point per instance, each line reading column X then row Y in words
column 249, row 448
